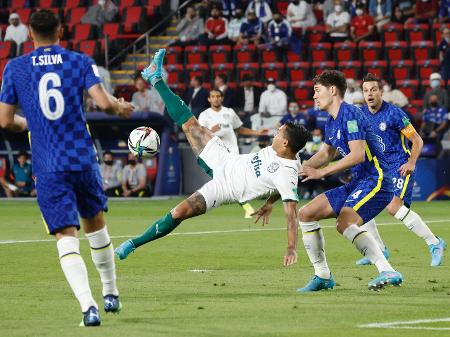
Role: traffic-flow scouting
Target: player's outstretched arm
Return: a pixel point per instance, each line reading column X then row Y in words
column 290, row 210
column 110, row 104
column 322, row 157
column 9, row 120
column 265, row 210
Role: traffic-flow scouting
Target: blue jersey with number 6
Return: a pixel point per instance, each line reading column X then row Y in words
column 48, row 83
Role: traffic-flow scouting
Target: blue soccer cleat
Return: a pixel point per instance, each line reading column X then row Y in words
column 125, row 249
column 154, row 70
column 386, row 278
column 317, row 283
column 112, row 304
column 365, row 261
column 437, row 252
column 91, row 317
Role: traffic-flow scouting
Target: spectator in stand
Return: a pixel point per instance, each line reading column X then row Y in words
column 134, row 178
column 279, row 34
column 22, row 182
column 405, row 10
column 247, row 100
column 398, row 16
column 444, row 11
column 393, row 95
column 145, row 99
column 262, row 10
column 104, row 74
column 111, row 173
column 104, row 11
column 204, row 9
column 338, row 23
column 438, row 90
column 300, row 15
column 229, row 7
column 197, row 96
column 381, row 10
column 435, row 120
column 294, row 115
column 216, row 29
column 16, row 31
column 251, row 29
column 425, row 11
column 221, row 83
column 444, row 55
column 353, row 91
column 272, row 107
column 189, row 28
column 318, row 118
column 362, row 26
column 234, row 27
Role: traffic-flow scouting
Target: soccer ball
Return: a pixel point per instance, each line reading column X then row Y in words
column 143, row 142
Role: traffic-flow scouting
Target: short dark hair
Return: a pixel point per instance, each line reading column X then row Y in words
column 45, row 24
column 223, row 76
column 107, row 152
column 216, row 90
column 297, row 136
column 329, row 78
column 23, row 153
column 372, row 78
column 198, row 78
column 247, row 77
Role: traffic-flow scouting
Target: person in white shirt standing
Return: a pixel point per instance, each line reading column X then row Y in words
column 225, row 123
column 272, row 106
column 300, row 15
column 338, row 23
column 16, row 31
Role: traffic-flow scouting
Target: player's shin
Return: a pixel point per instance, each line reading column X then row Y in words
column 367, row 246
column 160, row 228
column 371, row 227
column 102, row 253
column 177, row 109
column 314, row 243
column 414, row 222
column 75, row 271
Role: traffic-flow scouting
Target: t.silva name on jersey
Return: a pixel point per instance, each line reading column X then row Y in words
column 45, row 60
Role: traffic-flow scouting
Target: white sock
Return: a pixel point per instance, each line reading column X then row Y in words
column 371, row 227
column 368, row 247
column 103, row 257
column 414, row 222
column 314, row 243
column 75, row 271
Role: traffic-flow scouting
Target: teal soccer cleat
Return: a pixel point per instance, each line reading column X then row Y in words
column 155, row 70
column 437, row 252
column 91, row 317
column 386, row 278
column 365, row 261
column 112, row 304
column 317, row 283
column 125, row 249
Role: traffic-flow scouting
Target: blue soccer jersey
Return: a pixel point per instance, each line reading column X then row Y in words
column 300, row 119
column 48, row 83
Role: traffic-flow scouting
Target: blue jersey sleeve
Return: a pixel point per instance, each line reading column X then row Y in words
column 399, row 119
column 354, row 124
column 91, row 74
column 443, row 115
column 284, row 119
column 8, row 92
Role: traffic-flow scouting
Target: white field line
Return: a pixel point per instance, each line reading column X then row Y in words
column 244, row 230
column 408, row 324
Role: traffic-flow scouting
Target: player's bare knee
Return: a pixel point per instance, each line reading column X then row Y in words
column 347, row 217
column 306, row 214
column 67, row 231
column 394, row 206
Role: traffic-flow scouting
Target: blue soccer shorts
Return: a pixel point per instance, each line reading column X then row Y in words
column 367, row 197
column 403, row 186
column 62, row 196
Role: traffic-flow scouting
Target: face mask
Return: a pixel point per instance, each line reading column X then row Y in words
column 108, row 162
column 435, row 84
column 271, row 87
column 238, row 15
column 293, row 110
column 359, row 12
column 316, row 139
column 131, row 162
column 386, row 88
column 447, row 39
column 338, row 8
column 434, row 104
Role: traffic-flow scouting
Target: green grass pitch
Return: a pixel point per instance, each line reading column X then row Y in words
column 244, row 292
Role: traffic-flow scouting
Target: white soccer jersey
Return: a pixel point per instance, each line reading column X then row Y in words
column 228, row 121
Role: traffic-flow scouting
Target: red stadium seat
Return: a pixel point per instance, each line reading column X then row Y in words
column 196, row 54
column 282, row 7
column 127, row 3
column 82, row 31
column 293, row 57
column 151, row 166
column 45, row 3
column 220, row 54
column 315, row 34
column 416, row 32
column 88, row 47
column 298, row 71
column 422, row 50
column 131, row 17
column 351, row 69
column 174, row 55
column 26, row 47
column 273, row 70
column 320, row 52
column 369, row 50
column 65, row 44
column 391, row 32
column 3, row 63
column 175, row 73
column 401, row 70
column 245, row 53
column 425, row 68
column 24, row 14
column 319, row 67
column 201, row 70
column 222, row 68
column 415, row 107
column 17, row 4
column 125, row 91
column 302, row 91
column 437, row 31
column 73, row 16
column 344, row 51
column 178, row 88
column 73, row 3
column 7, row 49
column 396, row 51
column 251, row 69
column 377, row 68
column 112, row 29
column 408, row 87
column 269, row 55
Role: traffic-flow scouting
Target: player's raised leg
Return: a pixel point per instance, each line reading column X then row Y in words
column 371, row 227
column 314, row 242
